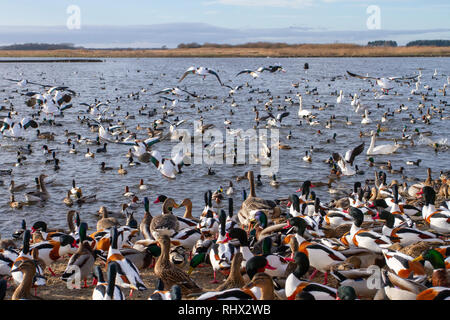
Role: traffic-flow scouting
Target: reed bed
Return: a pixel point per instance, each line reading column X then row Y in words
column 307, row 50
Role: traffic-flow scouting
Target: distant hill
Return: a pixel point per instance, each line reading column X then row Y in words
column 41, row 46
column 429, row 43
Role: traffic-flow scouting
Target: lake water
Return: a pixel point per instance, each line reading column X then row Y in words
column 120, row 77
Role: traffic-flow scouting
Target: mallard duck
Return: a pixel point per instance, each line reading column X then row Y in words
column 178, row 256
column 439, row 277
column 170, row 274
column 107, row 290
column 28, row 269
column 82, row 261
column 144, row 226
column 166, row 223
column 235, row 279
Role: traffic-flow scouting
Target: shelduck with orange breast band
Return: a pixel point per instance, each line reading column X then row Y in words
column 295, row 284
column 438, row 220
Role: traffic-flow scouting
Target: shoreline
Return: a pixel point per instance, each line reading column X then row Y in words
column 302, row 51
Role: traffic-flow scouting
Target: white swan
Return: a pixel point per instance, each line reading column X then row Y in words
column 302, row 112
column 382, row 149
column 341, row 97
column 366, row 119
column 355, row 100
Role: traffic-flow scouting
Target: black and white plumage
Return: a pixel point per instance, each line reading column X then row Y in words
column 201, row 71
column 346, row 163
column 107, row 290
column 384, row 82
column 176, row 91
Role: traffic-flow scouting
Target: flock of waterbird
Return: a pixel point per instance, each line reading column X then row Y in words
column 272, row 248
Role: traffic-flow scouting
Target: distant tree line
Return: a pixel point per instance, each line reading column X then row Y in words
column 41, row 46
column 265, row 45
column 426, row 43
column 382, row 43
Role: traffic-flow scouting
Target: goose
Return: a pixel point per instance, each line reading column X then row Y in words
column 381, row 149
column 13, row 188
column 40, row 195
column 166, row 223
column 106, row 222
column 254, row 203
column 201, row 71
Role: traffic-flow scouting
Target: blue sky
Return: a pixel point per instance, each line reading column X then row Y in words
column 324, row 20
